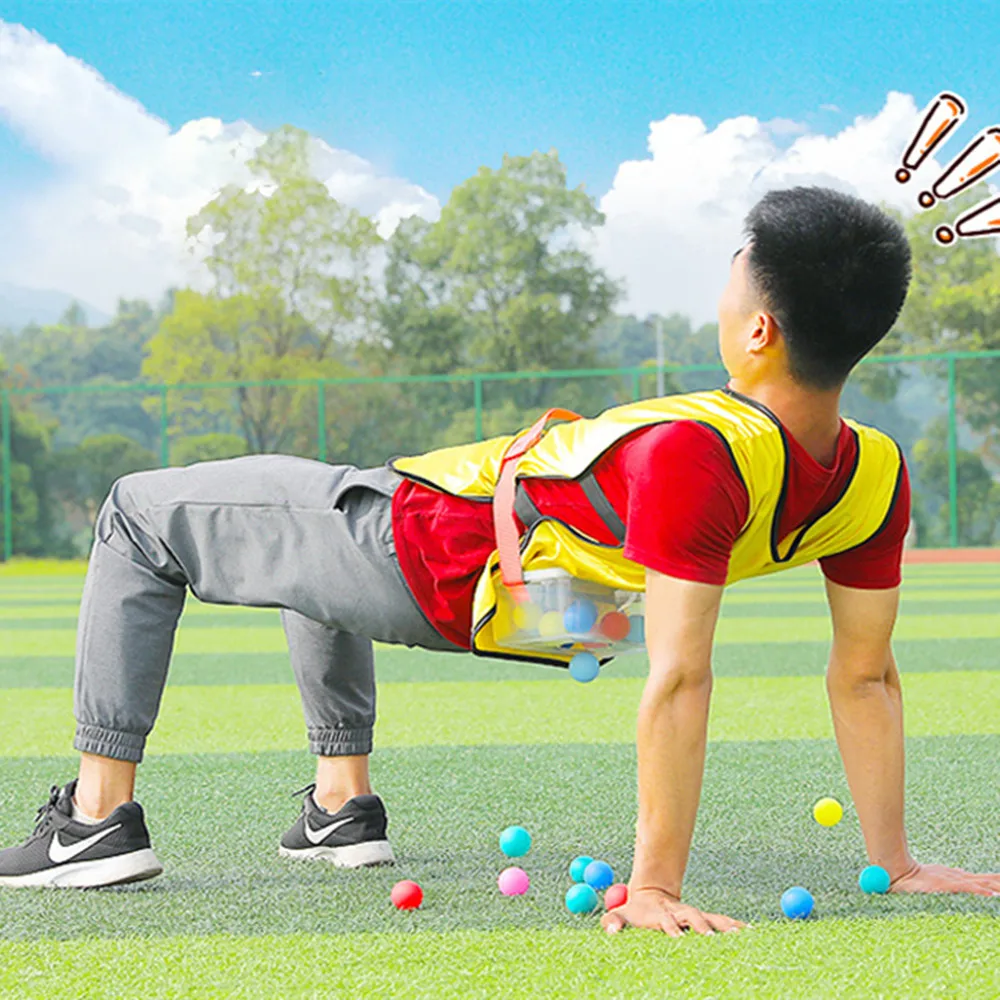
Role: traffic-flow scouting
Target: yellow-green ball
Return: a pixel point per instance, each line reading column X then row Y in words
column 526, row 616
column 828, row 812
column 551, row 623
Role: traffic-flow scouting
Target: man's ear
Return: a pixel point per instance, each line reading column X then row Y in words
column 765, row 332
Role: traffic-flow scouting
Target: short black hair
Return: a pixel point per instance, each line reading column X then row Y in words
column 833, row 270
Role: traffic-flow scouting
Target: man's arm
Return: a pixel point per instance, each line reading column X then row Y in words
column 867, row 706
column 672, row 731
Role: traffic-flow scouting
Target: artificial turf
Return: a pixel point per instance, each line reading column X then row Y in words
column 465, row 747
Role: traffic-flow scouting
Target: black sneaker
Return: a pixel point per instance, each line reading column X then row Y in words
column 352, row 837
column 67, row 854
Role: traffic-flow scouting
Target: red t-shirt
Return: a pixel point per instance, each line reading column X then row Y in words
column 683, row 504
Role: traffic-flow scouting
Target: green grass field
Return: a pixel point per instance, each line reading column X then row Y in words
column 464, row 748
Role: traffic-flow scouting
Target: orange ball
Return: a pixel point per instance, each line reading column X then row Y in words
column 614, row 625
column 617, row 895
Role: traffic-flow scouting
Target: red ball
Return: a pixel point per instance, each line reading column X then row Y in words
column 615, row 625
column 617, row 895
column 407, row 895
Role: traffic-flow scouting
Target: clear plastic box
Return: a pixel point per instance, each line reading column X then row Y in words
column 566, row 614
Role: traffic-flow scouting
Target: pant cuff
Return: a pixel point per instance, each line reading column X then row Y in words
column 340, row 742
column 109, row 743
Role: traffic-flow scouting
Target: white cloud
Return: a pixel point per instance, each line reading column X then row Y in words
column 675, row 218
column 112, row 221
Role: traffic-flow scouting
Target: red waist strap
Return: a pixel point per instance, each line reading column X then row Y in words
column 504, row 525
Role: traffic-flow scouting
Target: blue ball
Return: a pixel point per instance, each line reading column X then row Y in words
column 796, row 903
column 874, row 878
column 584, row 667
column 637, row 629
column 581, row 899
column 515, row 841
column 580, row 617
column 578, row 866
column 598, row 875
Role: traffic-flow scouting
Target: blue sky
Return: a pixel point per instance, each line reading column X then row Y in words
column 677, row 116
column 432, row 90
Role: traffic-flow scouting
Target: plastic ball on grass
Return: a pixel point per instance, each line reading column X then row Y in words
column 513, row 881
column 584, row 667
column 598, row 875
column 617, row 895
column 581, row 898
column 515, row 841
column 797, row 903
column 551, row 624
column 579, row 618
column 578, row 866
column 874, row 879
column 407, row 895
column 828, row 812
column 615, row 626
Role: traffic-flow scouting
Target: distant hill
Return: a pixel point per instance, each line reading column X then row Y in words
column 20, row 306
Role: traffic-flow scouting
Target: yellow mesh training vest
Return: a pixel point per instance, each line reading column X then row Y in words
column 758, row 448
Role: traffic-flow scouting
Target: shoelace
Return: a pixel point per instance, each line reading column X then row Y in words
column 304, row 791
column 44, row 814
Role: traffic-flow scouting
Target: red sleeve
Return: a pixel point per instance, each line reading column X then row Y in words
column 876, row 564
column 686, row 501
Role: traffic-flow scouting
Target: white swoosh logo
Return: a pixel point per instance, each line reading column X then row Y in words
column 318, row 836
column 59, row 852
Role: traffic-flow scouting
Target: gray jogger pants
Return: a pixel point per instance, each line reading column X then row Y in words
column 261, row 531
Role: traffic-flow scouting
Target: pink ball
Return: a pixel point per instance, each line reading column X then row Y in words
column 617, row 895
column 513, row 881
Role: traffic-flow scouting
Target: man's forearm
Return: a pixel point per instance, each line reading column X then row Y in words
column 672, row 730
column 868, row 720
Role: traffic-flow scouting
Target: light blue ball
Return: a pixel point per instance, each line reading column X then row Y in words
column 598, row 875
column 637, row 629
column 874, row 878
column 578, row 866
column 515, row 841
column 581, row 899
column 580, row 617
column 796, row 903
column 584, row 667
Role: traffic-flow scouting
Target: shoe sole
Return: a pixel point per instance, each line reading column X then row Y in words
column 369, row 854
column 118, row 870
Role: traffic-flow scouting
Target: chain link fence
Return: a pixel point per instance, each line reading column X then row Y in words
column 63, row 446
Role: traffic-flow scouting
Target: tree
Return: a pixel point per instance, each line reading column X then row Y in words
column 34, row 526
column 293, row 289
column 499, row 283
column 85, row 474
column 978, row 506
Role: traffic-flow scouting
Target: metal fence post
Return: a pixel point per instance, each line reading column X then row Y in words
column 164, row 432
column 477, row 389
column 952, row 454
column 8, row 488
column 321, row 419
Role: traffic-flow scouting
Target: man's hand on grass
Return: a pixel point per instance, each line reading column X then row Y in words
column 659, row 911
column 940, row 878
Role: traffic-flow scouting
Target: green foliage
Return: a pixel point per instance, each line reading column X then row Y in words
column 498, row 283
column 978, row 494
column 206, row 448
column 292, row 288
column 84, row 474
column 34, row 524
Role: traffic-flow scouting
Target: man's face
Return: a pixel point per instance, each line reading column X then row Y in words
column 737, row 306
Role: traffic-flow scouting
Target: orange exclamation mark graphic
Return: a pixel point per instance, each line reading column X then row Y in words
column 982, row 220
column 979, row 158
column 943, row 115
